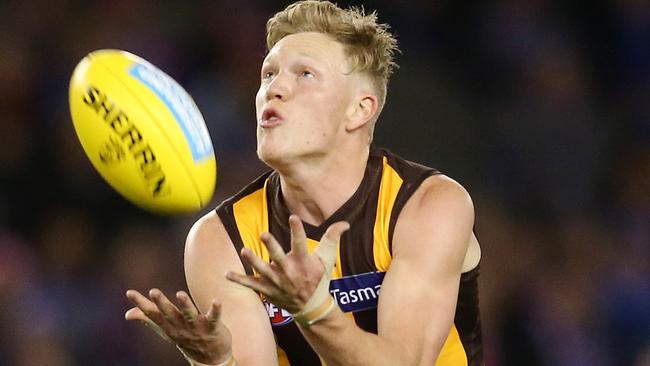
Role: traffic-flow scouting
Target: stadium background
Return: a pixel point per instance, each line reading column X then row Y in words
column 540, row 108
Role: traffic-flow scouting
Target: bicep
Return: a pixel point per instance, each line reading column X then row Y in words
column 420, row 290
column 209, row 254
column 415, row 312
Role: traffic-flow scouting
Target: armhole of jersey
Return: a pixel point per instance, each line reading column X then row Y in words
column 405, row 192
column 228, row 219
column 390, row 185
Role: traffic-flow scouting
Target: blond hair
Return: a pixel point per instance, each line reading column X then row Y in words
column 369, row 45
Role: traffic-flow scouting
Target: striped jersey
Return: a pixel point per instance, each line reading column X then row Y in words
column 363, row 257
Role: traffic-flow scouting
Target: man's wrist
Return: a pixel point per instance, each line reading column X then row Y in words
column 230, row 361
column 308, row 318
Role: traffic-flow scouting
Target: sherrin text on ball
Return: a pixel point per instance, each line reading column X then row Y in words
column 142, row 132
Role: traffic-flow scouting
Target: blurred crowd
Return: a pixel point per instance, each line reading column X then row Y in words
column 540, row 108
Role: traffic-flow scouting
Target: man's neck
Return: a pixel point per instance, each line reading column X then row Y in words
column 315, row 190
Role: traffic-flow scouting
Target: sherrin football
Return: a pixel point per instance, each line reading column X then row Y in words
column 142, row 132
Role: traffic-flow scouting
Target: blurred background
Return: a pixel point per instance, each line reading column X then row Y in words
column 540, row 108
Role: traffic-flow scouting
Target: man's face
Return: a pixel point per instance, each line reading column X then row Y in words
column 303, row 96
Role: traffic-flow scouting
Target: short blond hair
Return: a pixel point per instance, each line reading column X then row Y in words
column 368, row 44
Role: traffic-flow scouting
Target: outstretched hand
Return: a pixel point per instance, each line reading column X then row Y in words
column 290, row 279
column 202, row 337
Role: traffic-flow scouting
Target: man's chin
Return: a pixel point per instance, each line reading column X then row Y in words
column 270, row 157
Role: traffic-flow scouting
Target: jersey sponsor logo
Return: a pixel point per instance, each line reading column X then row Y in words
column 351, row 293
column 357, row 292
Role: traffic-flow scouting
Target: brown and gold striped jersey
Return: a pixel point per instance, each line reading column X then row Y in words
column 363, row 258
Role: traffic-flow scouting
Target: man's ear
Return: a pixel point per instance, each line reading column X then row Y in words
column 362, row 112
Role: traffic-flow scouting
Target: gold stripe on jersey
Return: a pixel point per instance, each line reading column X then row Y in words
column 452, row 353
column 391, row 182
column 251, row 216
column 283, row 360
column 311, row 245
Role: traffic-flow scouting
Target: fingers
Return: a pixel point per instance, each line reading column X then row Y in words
column 259, row 284
column 259, row 265
column 159, row 310
column 168, row 310
column 136, row 314
column 214, row 314
column 187, row 308
column 146, row 306
column 168, row 321
column 276, row 253
column 147, row 312
column 298, row 236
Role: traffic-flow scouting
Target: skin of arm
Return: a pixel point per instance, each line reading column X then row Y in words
column 209, row 253
column 418, row 296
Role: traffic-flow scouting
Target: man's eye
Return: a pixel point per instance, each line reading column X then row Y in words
column 307, row 74
column 268, row 75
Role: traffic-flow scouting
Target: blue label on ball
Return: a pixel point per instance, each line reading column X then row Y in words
column 185, row 112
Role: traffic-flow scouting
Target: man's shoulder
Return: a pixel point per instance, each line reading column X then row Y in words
column 438, row 199
column 438, row 192
column 438, row 220
column 206, row 232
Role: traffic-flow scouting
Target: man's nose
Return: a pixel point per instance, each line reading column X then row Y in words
column 279, row 87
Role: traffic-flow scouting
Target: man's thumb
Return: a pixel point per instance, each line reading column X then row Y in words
column 326, row 250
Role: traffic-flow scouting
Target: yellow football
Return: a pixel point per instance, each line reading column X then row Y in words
column 142, row 132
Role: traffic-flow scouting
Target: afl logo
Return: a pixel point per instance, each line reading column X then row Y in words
column 277, row 316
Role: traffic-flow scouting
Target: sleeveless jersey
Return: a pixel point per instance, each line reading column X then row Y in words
column 363, row 257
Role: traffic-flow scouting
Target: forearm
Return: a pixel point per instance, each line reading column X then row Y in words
column 237, row 353
column 339, row 341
